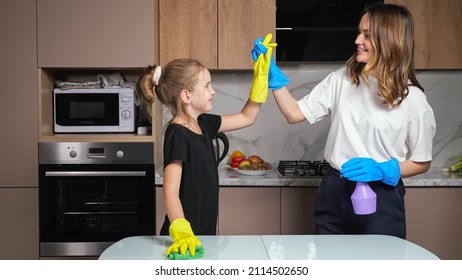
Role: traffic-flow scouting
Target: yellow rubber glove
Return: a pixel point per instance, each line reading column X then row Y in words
column 276, row 79
column 259, row 91
column 183, row 238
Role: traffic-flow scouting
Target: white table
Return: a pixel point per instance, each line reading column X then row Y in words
column 276, row 247
column 343, row 247
column 218, row 247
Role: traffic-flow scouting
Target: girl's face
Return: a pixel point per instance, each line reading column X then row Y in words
column 201, row 96
column 363, row 41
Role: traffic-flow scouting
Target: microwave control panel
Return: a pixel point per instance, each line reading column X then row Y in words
column 127, row 110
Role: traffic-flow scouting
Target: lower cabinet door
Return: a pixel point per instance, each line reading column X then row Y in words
column 19, row 224
column 249, row 210
column 297, row 210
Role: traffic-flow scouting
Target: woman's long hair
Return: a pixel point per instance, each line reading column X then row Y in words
column 391, row 31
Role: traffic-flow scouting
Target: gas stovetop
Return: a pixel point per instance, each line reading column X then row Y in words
column 302, row 168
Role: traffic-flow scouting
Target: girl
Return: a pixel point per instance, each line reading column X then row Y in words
column 190, row 169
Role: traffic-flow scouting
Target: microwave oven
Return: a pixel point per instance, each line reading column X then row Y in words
column 317, row 30
column 94, row 110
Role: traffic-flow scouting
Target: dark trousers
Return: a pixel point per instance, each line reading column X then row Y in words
column 334, row 211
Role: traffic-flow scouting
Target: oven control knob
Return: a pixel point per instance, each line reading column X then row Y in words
column 72, row 154
column 126, row 114
column 120, row 154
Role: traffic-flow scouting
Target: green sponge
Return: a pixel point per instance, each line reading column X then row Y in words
column 177, row 256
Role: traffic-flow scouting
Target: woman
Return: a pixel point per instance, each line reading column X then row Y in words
column 382, row 126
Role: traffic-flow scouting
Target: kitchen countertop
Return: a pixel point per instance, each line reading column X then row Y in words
column 432, row 178
column 276, row 247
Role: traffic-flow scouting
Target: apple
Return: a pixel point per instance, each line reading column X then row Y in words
column 244, row 163
column 236, row 160
column 235, row 153
column 255, row 159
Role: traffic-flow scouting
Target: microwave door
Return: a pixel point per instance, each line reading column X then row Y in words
column 81, row 112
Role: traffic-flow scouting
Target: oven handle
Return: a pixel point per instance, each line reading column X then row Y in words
column 94, row 173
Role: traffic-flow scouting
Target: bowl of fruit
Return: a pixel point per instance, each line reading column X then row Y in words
column 251, row 165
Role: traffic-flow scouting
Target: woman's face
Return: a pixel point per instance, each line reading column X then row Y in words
column 363, row 41
column 201, row 96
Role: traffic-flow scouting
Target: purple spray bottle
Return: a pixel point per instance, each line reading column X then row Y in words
column 364, row 199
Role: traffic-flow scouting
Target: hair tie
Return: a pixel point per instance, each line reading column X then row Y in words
column 156, row 75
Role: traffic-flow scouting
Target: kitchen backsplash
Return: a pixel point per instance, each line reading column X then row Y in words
column 274, row 139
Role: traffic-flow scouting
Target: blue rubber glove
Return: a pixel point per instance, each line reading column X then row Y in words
column 276, row 79
column 367, row 169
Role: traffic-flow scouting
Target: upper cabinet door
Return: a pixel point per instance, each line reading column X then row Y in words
column 95, row 33
column 18, row 114
column 240, row 22
column 219, row 33
column 188, row 29
column 437, row 32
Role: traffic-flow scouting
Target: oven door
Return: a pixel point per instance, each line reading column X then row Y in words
column 86, row 208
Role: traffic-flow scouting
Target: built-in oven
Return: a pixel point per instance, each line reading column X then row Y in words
column 94, row 194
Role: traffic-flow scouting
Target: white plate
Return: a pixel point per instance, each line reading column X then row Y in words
column 249, row 172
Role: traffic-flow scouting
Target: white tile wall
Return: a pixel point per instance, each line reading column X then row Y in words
column 273, row 139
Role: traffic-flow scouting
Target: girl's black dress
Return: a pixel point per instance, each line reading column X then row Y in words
column 199, row 179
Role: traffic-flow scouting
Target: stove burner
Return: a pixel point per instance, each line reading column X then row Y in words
column 302, row 168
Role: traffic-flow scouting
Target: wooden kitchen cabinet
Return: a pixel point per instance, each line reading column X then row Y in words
column 433, row 220
column 219, row 33
column 160, row 209
column 18, row 79
column 77, row 40
column 297, row 210
column 188, row 29
column 46, row 82
column 19, row 236
column 242, row 210
column 437, row 32
column 96, row 33
column 239, row 24
column 249, row 210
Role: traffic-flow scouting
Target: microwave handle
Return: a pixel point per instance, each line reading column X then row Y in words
column 94, row 173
